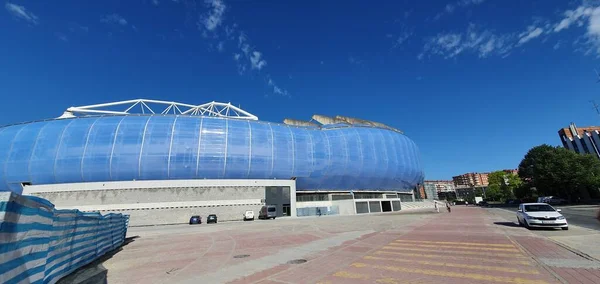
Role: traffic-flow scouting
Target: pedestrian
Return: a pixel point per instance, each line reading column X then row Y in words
column 466, row 203
column 436, row 206
column 448, row 207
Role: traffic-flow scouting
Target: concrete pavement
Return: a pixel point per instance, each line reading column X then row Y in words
column 469, row 245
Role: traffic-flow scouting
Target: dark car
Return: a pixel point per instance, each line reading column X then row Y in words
column 212, row 218
column 195, row 220
column 483, row 203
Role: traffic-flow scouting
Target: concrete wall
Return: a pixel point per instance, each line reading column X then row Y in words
column 152, row 195
column 345, row 207
column 171, row 202
column 41, row 244
column 146, row 217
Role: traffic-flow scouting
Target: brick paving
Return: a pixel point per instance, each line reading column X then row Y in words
column 464, row 246
column 469, row 245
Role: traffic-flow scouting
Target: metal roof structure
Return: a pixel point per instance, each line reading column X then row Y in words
column 145, row 106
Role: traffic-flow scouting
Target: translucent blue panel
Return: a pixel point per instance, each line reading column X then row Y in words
column 238, row 149
column 163, row 147
column 154, row 163
column 261, row 150
column 70, row 150
column 338, row 160
column 125, row 161
column 392, row 172
column 43, row 156
column 7, row 134
column 283, row 152
column 303, row 154
column 381, row 157
column 184, row 150
column 16, row 164
column 99, row 146
column 211, row 163
column 355, row 158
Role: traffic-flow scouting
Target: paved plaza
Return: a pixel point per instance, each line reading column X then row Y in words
column 469, row 245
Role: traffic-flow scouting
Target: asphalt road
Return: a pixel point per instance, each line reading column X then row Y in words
column 580, row 215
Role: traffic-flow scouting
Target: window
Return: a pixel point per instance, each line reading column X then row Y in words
column 367, row 195
column 307, row 197
column 539, row 208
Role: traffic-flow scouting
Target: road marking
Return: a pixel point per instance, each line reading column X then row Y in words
column 459, row 252
column 397, row 281
column 472, row 276
column 350, row 275
column 458, row 243
column 457, row 265
column 446, row 257
column 455, row 247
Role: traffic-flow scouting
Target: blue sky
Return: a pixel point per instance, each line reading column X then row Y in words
column 475, row 83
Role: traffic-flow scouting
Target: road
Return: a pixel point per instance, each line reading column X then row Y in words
column 469, row 245
column 580, row 215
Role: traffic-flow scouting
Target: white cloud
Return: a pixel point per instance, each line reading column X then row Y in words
column 583, row 16
column 19, row 11
column 62, row 37
column 573, row 16
column 256, row 61
column 114, row 19
column 215, row 16
column 155, row 2
column 531, row 33
column 556, row 46
column 402, row 38
column 276, row 89
column 246, row 56
column 451, row 7
column 483, row 43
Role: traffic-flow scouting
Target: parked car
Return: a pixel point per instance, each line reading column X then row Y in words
column 541, row 215
column 212, row 218
column 268, row 212
column 482, row 203
column 195, row 220
column 249, row 215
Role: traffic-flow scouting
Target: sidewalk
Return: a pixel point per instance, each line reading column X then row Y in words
column 466, row 246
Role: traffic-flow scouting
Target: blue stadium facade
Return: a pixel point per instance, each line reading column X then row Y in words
column 159, row 147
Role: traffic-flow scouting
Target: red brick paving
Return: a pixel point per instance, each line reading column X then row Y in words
column 459, row 247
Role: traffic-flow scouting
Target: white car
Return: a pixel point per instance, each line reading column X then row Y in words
column 541, row 215
column 249, row 215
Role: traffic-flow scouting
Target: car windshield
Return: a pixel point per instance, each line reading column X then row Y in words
column 271, row 209
column 538, row 208
column 196, row 217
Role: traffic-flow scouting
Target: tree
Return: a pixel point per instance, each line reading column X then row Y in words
column 556, row 171
column 503, row 185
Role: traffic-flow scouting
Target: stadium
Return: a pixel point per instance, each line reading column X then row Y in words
column 162, row 161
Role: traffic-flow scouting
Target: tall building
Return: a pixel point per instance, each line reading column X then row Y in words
column 471, row 179
column 435, row 189
column 583, row 140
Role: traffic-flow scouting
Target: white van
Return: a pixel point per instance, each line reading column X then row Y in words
column 249, row 215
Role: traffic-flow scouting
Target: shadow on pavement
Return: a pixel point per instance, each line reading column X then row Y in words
column 94, row 272
column 508, row 224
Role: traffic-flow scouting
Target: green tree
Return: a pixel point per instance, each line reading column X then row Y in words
column 556, row 171
column 503, row 185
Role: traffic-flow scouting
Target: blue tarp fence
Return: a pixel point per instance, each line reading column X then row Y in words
column 41, row 244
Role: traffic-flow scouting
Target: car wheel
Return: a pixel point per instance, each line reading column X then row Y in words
column 565, row 228
column 520, row 223
column 526, row 225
